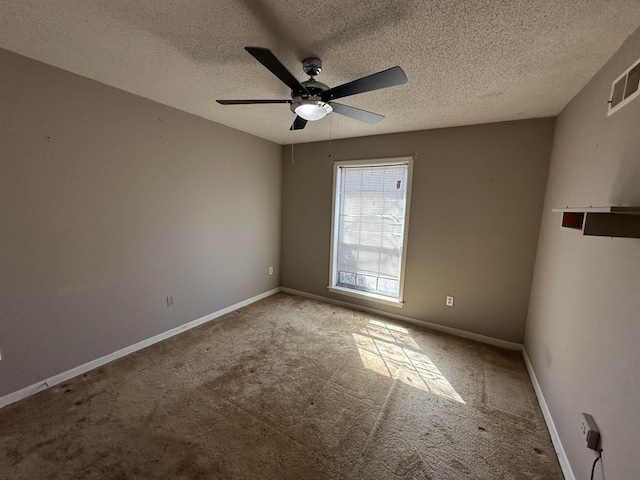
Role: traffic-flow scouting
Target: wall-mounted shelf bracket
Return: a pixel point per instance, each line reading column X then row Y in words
column 603, row 221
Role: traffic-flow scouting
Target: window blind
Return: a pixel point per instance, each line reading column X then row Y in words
column 371, row 218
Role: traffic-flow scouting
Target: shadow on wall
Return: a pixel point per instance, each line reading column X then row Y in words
column 389, row 350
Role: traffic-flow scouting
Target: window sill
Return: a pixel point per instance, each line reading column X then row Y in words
column 367, row 296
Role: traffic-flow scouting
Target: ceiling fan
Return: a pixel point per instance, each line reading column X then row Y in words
column 312, row 100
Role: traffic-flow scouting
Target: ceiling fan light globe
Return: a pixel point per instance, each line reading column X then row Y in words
column 312, row 110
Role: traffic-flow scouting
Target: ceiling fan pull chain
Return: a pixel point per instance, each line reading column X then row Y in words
column 330, row 136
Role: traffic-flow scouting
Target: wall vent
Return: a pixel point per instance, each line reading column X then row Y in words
column 625, row 88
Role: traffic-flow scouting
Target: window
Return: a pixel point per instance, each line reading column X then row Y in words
column 369, row 228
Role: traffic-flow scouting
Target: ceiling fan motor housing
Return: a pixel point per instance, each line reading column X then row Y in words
column 314, row 88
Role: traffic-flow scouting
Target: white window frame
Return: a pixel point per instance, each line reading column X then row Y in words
column 333, row 280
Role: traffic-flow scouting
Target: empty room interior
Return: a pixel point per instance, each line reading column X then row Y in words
column 319, row 240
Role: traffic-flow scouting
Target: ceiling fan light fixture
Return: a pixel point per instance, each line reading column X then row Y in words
column 311, row 110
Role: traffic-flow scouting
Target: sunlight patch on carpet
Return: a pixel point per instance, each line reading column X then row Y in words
column 389, row 350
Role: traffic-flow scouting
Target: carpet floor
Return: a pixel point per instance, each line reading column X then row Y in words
column 289, row 388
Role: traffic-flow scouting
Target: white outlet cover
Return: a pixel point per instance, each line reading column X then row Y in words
column 449, row 301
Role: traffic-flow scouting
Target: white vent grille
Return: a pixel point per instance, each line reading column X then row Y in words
column 625, row 88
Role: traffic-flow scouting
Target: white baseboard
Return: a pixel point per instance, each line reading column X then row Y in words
column 421, row 323
column 74, row 372
column 555, row 438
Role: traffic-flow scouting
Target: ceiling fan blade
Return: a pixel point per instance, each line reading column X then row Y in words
column 269, row 60
column 387, row 78
column 362, row 115
column 298, row 124
column 249, row 102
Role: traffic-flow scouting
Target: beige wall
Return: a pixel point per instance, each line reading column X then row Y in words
column 475, row 214
column 583, row 328
column 110, row 202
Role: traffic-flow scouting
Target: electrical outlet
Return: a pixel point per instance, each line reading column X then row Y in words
column 449, row 301
column 590, row 431
column 170, row 301
column 270, row 270
column 0, row 354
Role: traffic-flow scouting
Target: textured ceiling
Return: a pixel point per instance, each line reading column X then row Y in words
column 467, row 62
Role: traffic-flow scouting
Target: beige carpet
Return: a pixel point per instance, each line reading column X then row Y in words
column 289, row 388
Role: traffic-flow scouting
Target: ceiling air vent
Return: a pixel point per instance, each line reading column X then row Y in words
column 625, row 88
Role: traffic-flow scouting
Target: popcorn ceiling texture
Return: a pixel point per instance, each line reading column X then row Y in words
column 289, row 388
column 468, row 62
